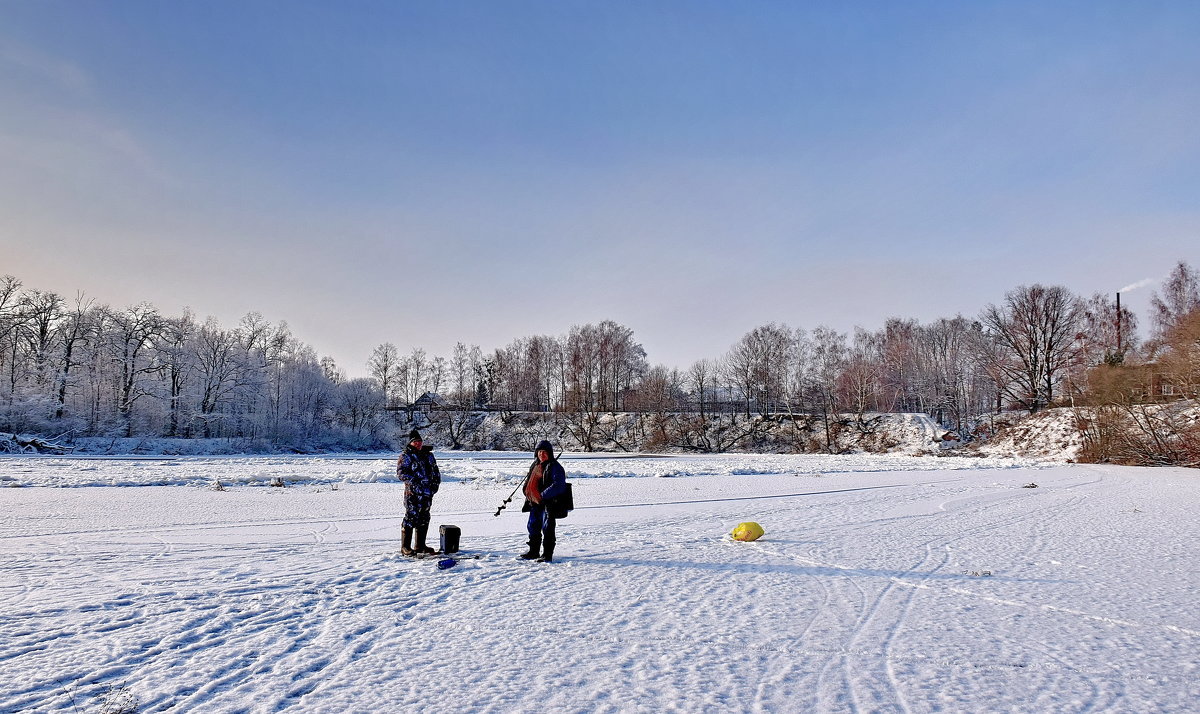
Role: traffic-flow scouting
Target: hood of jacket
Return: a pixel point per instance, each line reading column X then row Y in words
column 546, row 446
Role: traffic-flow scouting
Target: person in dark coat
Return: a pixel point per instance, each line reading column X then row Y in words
column 546, row 481
column 418, row 469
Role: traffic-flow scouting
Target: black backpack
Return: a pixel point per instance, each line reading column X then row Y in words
column 564, row 504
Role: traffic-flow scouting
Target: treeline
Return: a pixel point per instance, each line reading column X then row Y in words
column 74, row 366
column 83, row 369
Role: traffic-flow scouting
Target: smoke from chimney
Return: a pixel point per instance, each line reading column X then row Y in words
column 1138, row 284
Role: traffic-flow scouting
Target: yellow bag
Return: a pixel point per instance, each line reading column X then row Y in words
column 747, row 531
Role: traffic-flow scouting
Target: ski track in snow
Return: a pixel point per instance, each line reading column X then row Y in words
column 868, row 593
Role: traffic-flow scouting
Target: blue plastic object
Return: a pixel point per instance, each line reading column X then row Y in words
column 445, row 563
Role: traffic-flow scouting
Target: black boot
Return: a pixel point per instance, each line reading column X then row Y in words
column 406, row 544
column 547, row 554
column 421, row 548
column 532, row 553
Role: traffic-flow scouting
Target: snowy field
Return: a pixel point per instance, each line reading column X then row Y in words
column 883, row 584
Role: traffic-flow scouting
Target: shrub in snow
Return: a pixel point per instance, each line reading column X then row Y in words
column 119, row 700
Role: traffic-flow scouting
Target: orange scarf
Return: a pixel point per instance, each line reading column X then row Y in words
column 533, row 487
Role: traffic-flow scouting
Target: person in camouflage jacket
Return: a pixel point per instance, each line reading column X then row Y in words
column 418, row 469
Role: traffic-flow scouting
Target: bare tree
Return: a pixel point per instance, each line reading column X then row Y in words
column 460, row 375
column 860, row 375
column 900, row 366
column 619, row 362
column 77, row 327
column 41, row 311
column 600, row 364
column 583, row 376
column 1107, row 335
column 1181, row 359
column 694, row 429
column 659, row 393
column 220, row 366
column 359, row 403
column 414, row 375
column 130, row 339
column 461, row 399
column 757, row 366
column 949, row 376
column 1037, row 327
column 11, row 315
column 437, row 375
column 175, row 359
column 1181, row 295
column 828, row 359
column 384, row 365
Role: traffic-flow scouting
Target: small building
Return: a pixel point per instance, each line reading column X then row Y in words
column 430, row 401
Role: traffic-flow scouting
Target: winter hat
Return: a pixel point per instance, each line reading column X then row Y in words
column 544, row 445
column 414, row 435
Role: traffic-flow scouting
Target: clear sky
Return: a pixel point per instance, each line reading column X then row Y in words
column 429, row 172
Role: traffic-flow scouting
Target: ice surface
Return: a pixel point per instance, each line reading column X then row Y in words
column 880, row 586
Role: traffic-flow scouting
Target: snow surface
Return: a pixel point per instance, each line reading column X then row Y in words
column 880, row 586
column 1051, row 434
column 479, row 468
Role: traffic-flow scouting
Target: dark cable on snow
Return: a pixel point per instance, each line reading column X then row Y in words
column 718, row 500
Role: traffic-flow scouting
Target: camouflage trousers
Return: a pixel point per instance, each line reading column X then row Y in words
column 416, row 508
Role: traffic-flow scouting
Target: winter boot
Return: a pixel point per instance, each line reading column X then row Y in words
column 406, row 545
column 547, row 554
column 532, row 553
column 421, row 548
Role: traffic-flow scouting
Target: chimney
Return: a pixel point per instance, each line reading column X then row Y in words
column 1119, row 323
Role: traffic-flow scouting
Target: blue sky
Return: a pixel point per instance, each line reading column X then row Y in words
column 423, row 173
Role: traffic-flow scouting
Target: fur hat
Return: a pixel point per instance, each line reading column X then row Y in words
column 414, row 435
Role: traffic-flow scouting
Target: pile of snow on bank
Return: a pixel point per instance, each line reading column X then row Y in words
column 1050, row 435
